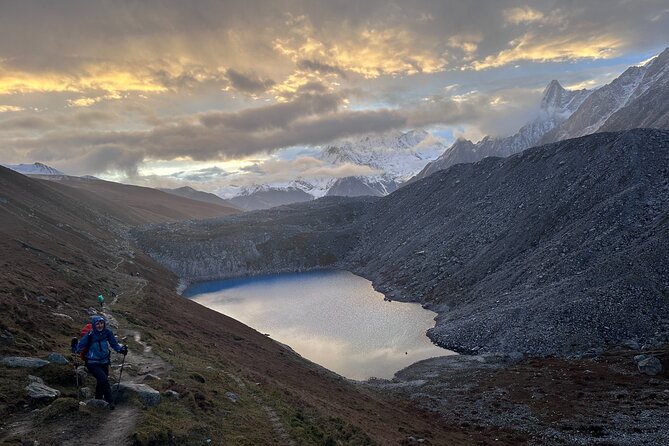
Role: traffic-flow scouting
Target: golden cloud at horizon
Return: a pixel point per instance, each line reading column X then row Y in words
column 92, row 78
column 530, row 47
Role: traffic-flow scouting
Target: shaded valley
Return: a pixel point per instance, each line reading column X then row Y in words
column 554, row 250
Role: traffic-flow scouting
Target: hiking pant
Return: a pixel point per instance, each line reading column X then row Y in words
column 102, row 388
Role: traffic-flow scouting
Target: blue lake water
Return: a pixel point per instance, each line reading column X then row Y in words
column 333, row 318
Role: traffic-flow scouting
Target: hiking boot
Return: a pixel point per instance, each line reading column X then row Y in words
column 111, row 406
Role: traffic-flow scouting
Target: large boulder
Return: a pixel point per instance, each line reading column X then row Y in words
column 82, row 373
column 57, row 358
column 39, row 391
column 172, row 394
column 85, row 393
column 147, row 394
column 21, row 361
column 650, row 365
column 98, row 404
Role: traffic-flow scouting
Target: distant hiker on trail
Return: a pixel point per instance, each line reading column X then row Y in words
column 101, row 300
column 98, row 356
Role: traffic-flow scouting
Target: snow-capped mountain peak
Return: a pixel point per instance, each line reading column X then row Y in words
column 399, row 155
column 557, row 101
column 34, row 169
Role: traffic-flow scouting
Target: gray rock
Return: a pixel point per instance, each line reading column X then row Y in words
column 232, row 396
column 147, row 394
column 151, row 377
column 631, row 344
column 19, row 361
column 82, row 373
column 6, row 337
column 515, row 357
column 650, row 366
column 85, row 393
column 35, row 379
column 39, row 390
column 172, row 394
column 98, row 404
column 57, row 358
column 43, row 299
column 639, row 358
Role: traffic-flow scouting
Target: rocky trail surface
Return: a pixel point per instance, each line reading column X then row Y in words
column 109, row 428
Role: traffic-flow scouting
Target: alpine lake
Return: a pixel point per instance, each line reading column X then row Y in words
column 333, row 318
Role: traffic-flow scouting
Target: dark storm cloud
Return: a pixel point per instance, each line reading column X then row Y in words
column 248, row 83
column 275, row 115
column 189, row 79
column 26, row 123
column 320, row 67
column 38, row 121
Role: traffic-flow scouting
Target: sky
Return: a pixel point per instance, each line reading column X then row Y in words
column 211, row 93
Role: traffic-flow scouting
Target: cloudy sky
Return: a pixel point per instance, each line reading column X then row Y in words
column 164, row 92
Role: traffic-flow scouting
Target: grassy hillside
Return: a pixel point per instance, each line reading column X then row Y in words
column 58, row 252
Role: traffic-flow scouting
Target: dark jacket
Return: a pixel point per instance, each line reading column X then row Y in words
column 98, row 343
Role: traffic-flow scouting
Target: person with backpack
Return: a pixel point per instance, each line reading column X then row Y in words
column 97, row 356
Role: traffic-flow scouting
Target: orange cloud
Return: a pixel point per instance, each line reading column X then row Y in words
column 92, row 78
column 531, row 47
column 369, row 52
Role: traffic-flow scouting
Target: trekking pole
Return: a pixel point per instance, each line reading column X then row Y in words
column 118, row 384
column 76, row 374
column 73, row 344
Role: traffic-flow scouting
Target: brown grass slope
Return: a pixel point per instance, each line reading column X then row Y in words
column 58, row 250
column 143, row 204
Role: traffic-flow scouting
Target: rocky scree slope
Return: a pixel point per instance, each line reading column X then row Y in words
column 558, row 249
column 552, row 251
column 297, row 237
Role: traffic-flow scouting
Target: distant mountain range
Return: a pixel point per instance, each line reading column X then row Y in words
column 639, row 97
column 205, row 197
column 396, row 155
column 264, row 197
column 33, row 169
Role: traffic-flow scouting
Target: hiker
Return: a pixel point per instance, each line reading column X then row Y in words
column 98, row 356
column 101, row 300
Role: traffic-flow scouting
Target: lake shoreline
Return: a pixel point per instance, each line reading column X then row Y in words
column 311, row 312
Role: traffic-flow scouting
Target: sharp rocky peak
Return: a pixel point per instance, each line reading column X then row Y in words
column 554, row 96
